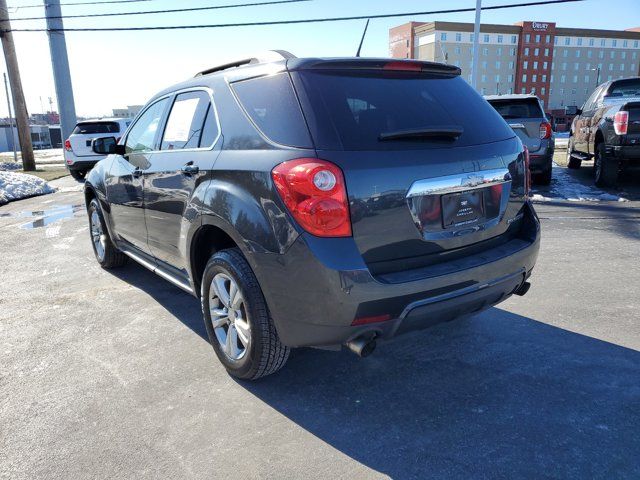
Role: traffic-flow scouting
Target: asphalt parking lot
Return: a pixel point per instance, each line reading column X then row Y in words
column 108, row 374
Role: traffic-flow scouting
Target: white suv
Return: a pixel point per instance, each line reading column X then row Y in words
column 78, row 154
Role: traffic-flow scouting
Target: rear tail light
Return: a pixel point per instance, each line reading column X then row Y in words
column 372, row 319
column 621, row 122
column 545, row 130
column 315, row 194
column 527, row 172
column 67, row 145
column 403, row 66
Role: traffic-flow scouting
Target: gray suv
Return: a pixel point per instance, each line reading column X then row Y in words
column 318, row 202
column 525, row 116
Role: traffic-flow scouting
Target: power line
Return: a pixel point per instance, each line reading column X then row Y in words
column 71, row 4
column 290, row 22
column 175, row 10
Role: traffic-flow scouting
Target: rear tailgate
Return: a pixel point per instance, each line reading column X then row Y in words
column 414, row 199
column 524, row 116
column 85, row 132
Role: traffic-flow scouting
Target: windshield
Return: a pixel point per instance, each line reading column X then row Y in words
column 354, row 110
column 96, row 127
column 525, row 108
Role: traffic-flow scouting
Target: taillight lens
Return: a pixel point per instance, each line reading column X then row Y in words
column 545, row 130
column 315, row 194
column 67, row 145
column 621, row 122
column 527, row 172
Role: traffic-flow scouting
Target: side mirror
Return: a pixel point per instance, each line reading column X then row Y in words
column 106, row 146
column 572, row 110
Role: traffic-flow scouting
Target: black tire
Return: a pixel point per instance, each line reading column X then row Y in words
column 107, row 255
column 264, row 354
column 543, row 178
column 572, row 162
column 606, row 169
column 78, row 175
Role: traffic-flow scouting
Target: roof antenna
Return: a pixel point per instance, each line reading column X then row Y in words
column 362, row 39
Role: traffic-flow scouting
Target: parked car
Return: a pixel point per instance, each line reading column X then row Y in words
column 524, row 113
column 239, row 186
column 607, row 129
column 78, row 155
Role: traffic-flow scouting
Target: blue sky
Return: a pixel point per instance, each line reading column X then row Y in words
column 116, row 69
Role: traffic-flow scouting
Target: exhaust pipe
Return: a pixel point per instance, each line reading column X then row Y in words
column 362, row 347
column 522, row 289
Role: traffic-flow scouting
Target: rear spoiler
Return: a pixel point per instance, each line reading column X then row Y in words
column 388, row 64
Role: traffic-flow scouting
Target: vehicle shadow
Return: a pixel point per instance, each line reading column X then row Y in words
column 498, row 395
column 495, row 396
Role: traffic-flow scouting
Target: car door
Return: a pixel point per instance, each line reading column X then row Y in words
column 581, row 133
column 188, row 149
column 124, row 184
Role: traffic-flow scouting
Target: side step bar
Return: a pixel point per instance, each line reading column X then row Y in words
column 159, row 271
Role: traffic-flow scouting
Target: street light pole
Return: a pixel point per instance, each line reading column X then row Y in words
column 13, row 134
column 476, row 46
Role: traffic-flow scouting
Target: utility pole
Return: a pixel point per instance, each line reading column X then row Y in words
column 60, row 64
column 476, row 46
column 22, row 117
column 13, row 135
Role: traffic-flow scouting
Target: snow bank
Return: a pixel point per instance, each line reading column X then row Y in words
column 15, row 186
column 8, row 166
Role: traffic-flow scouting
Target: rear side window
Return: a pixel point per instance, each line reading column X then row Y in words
column 210, row 129
column 272, row 106
column 186, row 121
column 350, row 110
column 625, row 88
column 96, row 127
column 525, row 108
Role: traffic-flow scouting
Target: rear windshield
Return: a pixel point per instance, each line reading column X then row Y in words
column 625, row 88
column 525, row 108
column 96, row 127
column 351, row 110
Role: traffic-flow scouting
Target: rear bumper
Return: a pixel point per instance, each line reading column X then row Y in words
column 319, row 287
column 624, row 152
column 74, row 162
column 541, row 161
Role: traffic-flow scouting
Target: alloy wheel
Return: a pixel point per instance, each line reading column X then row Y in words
column 229, row 316
column 97, row 235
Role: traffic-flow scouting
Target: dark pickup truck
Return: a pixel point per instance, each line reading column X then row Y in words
column 607, row 129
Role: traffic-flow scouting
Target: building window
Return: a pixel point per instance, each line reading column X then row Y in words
column 623, row 55
column 547, row 39
column 635, row 44
column 586, row 91
column 443, row 37
column 514, row 39
column 497, row 78
column 564, row 65
column 577, row 53
column 485, row 51
column 536, row 51
column 579, row 41
column 457, row 50
column 600, row 54
column 567, row 41
column 510, row 91
column 591, row 42
column 622, row 67
column 562, row 91
column 538, row 38
column 524, row 90
column 588, row 66
column 527, row 38
column 500, row 38
column 510, row 78
column 486, row 38
column 555, row 40
column 484, row 78
column 589, row 54
column 526, row 51
column 498, row 65
column 458, row 37
column 512, row 52
column 611, row 67
column 634, row 55
column 546, row 52
column 613, row 54
column 544, row 65
column 511, row 65
column 524, row 78
column 484, row 65
column 576, row 66
column 562, row 78
column 457, row 63
column 573, row 92
column 533, row 90
column 534, row 78
column 632, row 67
column 525, row 64
column 499, row 51
column 535, row 65
column 575, row 79
column 544, row 78
column 586, row 79
column 471, row 37
column 550, row 81
column 603, row 42
column 484, row 91
column 609, row 77
column 614, row 42
column 565, row 53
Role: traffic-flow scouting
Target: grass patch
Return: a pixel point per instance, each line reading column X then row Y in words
column 48, row 174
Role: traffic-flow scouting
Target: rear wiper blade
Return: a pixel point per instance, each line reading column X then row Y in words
column 450, row 132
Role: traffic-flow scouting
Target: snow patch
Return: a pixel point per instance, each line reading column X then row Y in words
column 8, row 166
column 15, row 186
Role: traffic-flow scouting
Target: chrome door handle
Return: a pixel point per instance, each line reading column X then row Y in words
column 137, row 172
column 190, row 169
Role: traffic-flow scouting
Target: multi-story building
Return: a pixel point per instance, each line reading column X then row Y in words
column 560, row 65
column 129, row 112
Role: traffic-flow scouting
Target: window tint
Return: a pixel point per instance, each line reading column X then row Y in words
column 96, row 127
column 185, row 122
column 210, row 129
column 625, row 88
column 526, row 108
column 272, row 105
column 358, row 107
column 143, row 133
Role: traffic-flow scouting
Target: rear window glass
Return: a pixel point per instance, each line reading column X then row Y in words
column 525, row 108
column 272, row 105
column 625, row 88
column 96, row 127
column 350, row 110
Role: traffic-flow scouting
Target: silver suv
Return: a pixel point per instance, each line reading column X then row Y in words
column 525, row 115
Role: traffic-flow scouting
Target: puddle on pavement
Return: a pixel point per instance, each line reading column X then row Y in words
column 43, row 218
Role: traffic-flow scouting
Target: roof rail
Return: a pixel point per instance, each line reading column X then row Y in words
column 263, row 57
